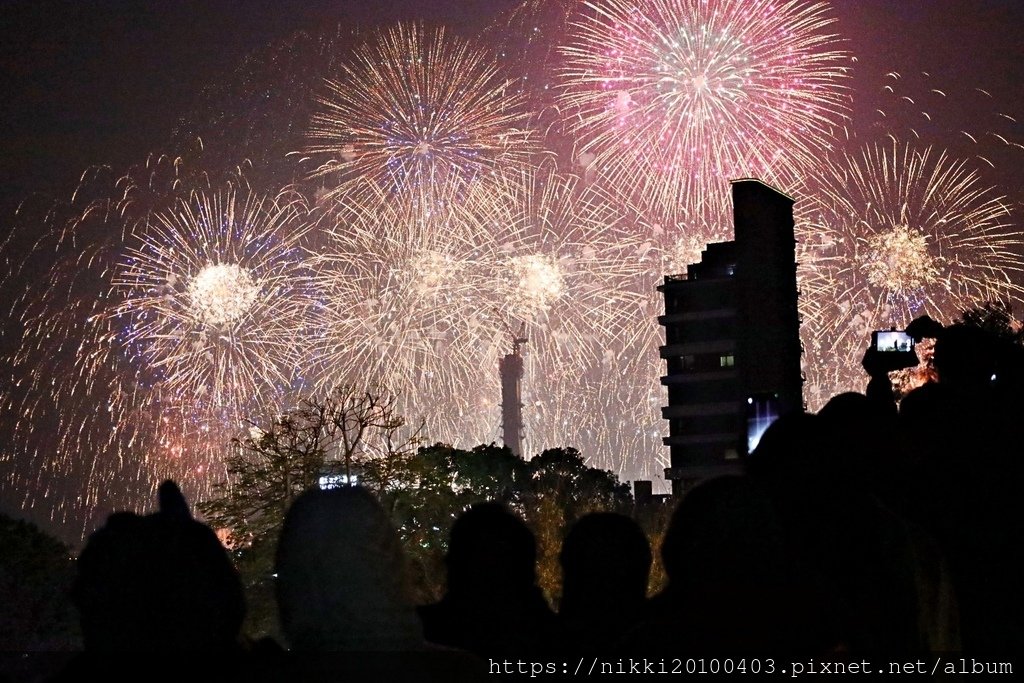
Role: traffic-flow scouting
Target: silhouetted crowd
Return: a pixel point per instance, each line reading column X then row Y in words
column 862, row 529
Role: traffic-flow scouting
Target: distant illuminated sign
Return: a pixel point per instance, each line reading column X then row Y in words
column 334, row 481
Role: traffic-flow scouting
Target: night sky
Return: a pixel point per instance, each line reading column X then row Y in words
column 102, row 82
column 105, row 82
column 89, row 82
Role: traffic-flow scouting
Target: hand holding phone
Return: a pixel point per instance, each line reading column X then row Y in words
column 892, row 341
column 890, row 350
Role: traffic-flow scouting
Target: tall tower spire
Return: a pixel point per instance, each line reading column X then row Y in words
column 510, row 367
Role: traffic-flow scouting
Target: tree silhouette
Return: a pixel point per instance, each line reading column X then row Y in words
column 351, row 433
column 995, row 318
column 326, row 441
column 356, row 435
column 550, row 491
column 563, row 489
column 36, row 573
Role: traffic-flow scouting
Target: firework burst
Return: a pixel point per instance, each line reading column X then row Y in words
column 211, row 299
column 401, row 306
column 561, row 258
column 157, row 309
column 900, row 232
column 676, row 97
column 420, row 113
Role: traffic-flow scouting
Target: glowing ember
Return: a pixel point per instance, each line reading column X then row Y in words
column 538, row 279
column 899, row 260
column 221, row 294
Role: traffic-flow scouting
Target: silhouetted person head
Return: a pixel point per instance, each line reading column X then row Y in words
column 341, row 576
column 157, row 582
column 860, row 437
column 492, row 605
column 924, row 327
column 734, row 582
column 606, row 560
column 817, row 471
column 928, row 418
column 846, row 409
column 851, row 421
column 491, row 552
column 792, row 448
column 724, row 530
column 964, row 357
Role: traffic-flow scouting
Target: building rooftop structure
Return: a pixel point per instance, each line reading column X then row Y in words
column 732, row 340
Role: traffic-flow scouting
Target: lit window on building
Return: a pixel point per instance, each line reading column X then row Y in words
column 727, row 361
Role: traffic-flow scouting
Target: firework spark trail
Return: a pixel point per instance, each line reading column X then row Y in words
column 74, row 425
column 915, row 106
column 900, row 232
column 527, row 39
column 98, row 417
column 420, row 112
column 261, row 111
column 676, row 97
column 612, row 412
